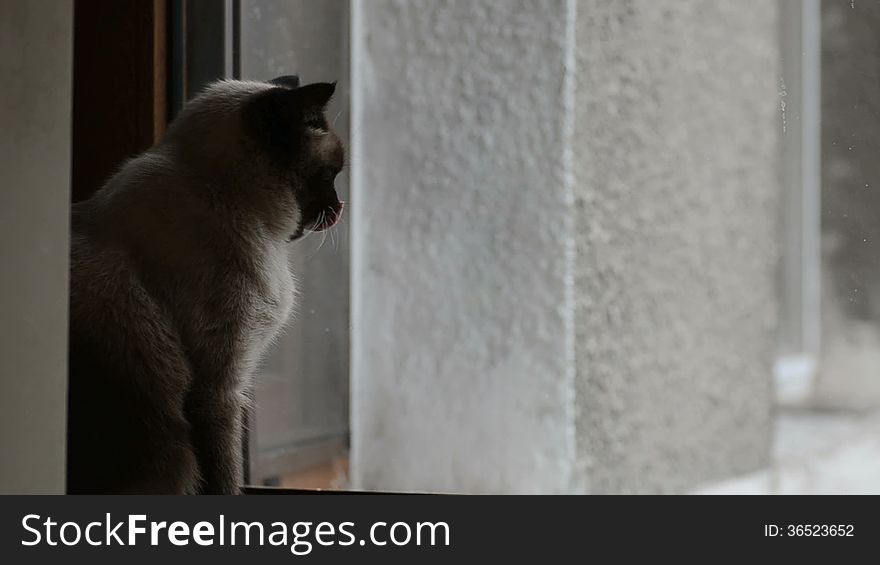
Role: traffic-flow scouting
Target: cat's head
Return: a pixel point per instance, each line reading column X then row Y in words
column 271, row 147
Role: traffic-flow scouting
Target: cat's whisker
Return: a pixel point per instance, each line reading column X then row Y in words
column 333, row 239
column 318, row 222
column 323, row 239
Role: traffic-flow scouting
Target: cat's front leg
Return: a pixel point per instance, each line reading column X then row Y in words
column 216, row 420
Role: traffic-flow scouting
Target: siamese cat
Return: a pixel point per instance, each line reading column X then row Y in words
column 180, row 281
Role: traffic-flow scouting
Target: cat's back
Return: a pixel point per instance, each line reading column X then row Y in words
column 124, row 354
column 100, row 270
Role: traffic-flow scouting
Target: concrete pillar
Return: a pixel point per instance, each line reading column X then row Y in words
column 564, row 243
column 35, row 61
column 462, row 320
column 677, row 232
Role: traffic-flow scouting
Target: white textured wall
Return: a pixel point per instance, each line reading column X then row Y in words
column 479, row 365
column 678, row 239
column 461, row 365
column 35, row 94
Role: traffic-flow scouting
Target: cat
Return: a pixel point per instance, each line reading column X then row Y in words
column 179, row 281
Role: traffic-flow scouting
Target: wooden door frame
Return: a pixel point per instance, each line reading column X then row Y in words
column 119, row 86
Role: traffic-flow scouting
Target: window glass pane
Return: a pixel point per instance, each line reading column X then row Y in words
column 302, row 391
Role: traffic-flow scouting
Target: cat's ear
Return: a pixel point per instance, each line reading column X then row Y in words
column 277, row 116
column 315, row 96
column 290, row 81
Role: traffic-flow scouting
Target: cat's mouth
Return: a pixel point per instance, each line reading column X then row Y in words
column 328, row 217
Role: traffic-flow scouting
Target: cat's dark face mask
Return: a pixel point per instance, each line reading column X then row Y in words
column 290, row 125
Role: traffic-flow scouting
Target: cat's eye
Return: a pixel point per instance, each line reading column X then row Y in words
column 317, row 123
